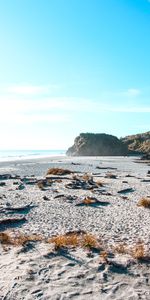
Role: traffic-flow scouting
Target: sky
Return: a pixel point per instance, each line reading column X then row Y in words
column 72, row 66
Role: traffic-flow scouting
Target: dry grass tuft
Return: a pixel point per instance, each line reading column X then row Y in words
column 89, row 241
column 121, row 248
column 23, row 239
column 145, row 202
column 104, row 257
column 58, row 171
column 63, row 241
column 5, row 238
column 89, row 200
column 8, row 239
column 74, row 240
column 138, row 252
column 87, row 177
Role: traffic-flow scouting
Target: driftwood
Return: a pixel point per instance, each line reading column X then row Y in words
column 124, row 191
column 145, row 180
column 17, row 209
column 106, row 168
column 8, row 176
column 92, row 201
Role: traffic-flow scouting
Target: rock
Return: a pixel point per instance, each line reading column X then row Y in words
column 139, row 143
column 90, row 144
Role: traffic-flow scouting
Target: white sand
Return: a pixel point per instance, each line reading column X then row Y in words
column 40, row 272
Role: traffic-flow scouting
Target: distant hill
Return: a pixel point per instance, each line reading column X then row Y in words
column 138, row 143
column 101, row 144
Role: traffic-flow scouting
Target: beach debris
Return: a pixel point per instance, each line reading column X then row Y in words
column 145, row 202
column 78, row 185
column 124, row 197
column 91, row 201
column 20, row 187
column 58, row 171
column 8, row 176
column 21, row 209
column 110, row 176
column 145, row 180
column 105, row 168
column 42, row 183
column 69, row 198
column 59, row 196
column 29, row 181
column 15, row 182
column 46, row 198
column 2, row 183
column 84, row 182
column 12, row 221
column 124, row 191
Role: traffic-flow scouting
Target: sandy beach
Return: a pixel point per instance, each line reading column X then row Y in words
column 97, row 201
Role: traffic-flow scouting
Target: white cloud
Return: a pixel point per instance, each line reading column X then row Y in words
column 133, row 92
column 45, row 109
column 30, row 89
column 129, row 93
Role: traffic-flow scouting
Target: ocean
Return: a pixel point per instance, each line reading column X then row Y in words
column 9, row 155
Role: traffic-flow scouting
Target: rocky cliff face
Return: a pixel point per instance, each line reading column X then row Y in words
column 90, row 144
column 139, row 143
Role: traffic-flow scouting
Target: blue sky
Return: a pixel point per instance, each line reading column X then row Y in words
column 71, row 66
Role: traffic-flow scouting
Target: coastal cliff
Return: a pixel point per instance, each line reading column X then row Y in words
column 90, row 144
column 101, row 144
column 138, row 143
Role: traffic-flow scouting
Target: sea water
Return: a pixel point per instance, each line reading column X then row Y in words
column 9, row 155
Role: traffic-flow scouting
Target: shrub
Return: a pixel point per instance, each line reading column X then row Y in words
column 89, row 200
column 89, row 241
column 144, row 202
column 65, row 240
column 58, row 171
column 138, row 251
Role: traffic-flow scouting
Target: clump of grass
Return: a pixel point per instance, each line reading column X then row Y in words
column 58, row 171
column 5, row 238
column 87, row 177
column 23, row 239
column 63, row 241
column 89, row 200
column 138, row 252
column 104, row 257
column 89, row 241
column 121, row 248
column 74, row 240
column 8, row 239
column 145, row 202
